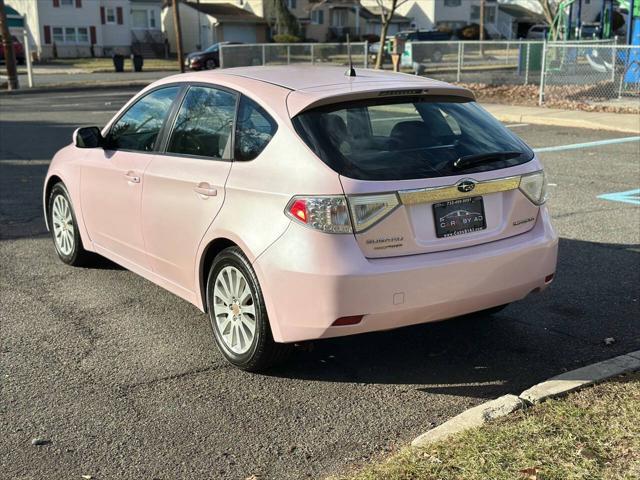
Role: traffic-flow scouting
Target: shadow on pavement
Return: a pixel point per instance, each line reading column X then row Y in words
column 595, row 296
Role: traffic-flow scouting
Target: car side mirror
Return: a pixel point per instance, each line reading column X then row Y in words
column 88, row 137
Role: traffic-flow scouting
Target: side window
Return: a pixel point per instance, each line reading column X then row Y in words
column 139, row 127
column 203, row 125
column 254, row 130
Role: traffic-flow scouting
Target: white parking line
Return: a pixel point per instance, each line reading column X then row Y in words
column 516, row 125
column 575, row 146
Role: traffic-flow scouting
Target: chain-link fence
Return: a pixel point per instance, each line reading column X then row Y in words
column 288, row 53
column 598, row 72
column 503, row 62
column 593, row 74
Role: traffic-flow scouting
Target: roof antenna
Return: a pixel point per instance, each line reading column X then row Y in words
column 352, row 71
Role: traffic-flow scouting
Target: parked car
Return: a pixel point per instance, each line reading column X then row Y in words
column 538, row 32
column 207, row 59
column 424, row 52
column 296, row 203
column 18, row 50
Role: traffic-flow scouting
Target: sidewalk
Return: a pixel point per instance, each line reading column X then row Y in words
column 75, row 79
column 616, row 122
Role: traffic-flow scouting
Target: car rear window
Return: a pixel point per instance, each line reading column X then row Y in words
column 408, row 138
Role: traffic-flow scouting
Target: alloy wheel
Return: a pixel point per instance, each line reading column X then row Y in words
column 234, row 310
column 63, row 228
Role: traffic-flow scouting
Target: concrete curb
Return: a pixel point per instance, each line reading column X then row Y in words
column 552, row 388
column 567, row 122
column 474, row 417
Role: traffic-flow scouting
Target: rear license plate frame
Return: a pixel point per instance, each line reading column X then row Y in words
column 448, row 225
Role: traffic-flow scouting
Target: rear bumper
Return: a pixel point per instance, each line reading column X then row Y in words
column 310, row 279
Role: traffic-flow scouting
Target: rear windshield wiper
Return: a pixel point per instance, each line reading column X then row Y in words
column 473, row 160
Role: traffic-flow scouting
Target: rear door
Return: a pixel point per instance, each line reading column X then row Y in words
column 185, row 183
column 396, row 159
column 444, row 212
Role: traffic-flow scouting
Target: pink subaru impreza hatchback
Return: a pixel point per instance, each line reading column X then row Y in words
column 296, row 203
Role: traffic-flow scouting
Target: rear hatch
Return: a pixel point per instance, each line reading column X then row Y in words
column 425, row 173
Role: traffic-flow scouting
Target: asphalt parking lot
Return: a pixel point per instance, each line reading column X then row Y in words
column 122, row 379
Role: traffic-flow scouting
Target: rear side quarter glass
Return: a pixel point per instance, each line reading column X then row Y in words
column 254, row 130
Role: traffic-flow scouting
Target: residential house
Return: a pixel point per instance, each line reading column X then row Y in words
column 327, row 20
column 453, row 14
column 204, row 23
column 501, row 17
column 332, row 20
column 83, row 28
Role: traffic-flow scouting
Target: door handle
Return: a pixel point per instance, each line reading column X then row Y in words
column 205, row 189
column 132, row 177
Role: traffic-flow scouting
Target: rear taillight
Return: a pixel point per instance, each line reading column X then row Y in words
column 367, row 210
column 327, row 213
column 534, row 186
column 340, row 214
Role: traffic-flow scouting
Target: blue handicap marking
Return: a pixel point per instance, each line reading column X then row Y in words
column 630, row 196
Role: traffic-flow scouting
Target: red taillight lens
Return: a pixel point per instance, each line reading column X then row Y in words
column 298, row 209
column 327, row 213
column 352, row 320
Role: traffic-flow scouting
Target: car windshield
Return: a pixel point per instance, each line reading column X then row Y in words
column 213, row 48
column 409, row 138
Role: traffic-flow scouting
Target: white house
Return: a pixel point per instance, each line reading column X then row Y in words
column 206, row 23
column 500, row 16
column 82, row 28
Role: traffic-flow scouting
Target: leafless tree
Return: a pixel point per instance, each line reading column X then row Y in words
column 386, row 15
column 550, row 10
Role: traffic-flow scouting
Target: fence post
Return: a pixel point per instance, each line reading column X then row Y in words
column 624, row 70
column 288, row 54
column 366, row 54
column 222, row 49
column 614, row 52
column 543, row 69
column 27, row 56
column 312, row 53
column 459, row 61
column 508, row 48
column 264, row 57
column 526, row 68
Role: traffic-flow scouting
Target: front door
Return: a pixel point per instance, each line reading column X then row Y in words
column 185, row 184
column 112, row 178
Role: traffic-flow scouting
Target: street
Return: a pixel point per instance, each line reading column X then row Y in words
column 122, row 378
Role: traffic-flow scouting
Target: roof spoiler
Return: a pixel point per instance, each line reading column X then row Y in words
column 300, row 100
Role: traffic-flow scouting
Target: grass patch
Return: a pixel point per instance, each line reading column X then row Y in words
column 98, row 65
column 592, row 434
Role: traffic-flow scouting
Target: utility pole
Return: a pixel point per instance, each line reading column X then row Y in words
column 9, row 54
column 481, row 28
column 178, row 28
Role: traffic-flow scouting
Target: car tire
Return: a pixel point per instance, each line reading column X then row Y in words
column 238, row 315
column 436, row 56
column 210, row 64
column 64, row 228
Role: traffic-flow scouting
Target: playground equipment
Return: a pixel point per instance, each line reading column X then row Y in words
column 566, row 27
